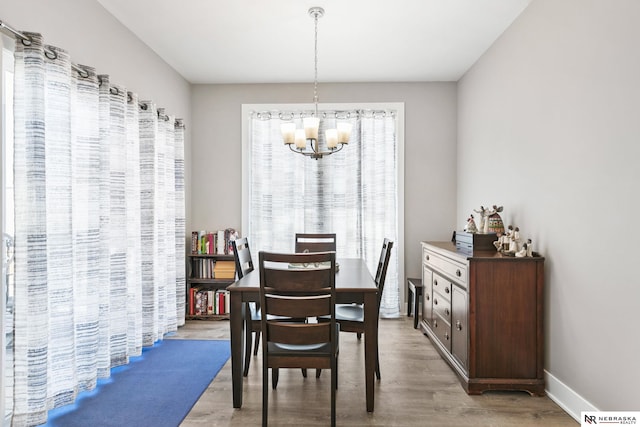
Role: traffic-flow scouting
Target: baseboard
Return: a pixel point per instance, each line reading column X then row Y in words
column 570, row 401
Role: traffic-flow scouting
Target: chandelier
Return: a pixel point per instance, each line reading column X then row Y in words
column 299, row 137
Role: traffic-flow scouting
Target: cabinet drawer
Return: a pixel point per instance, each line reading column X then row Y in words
column 442, row 307
column 450, row 268
column 442, row 330
column 442, row 286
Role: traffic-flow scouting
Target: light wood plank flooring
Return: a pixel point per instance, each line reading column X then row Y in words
column 417, row 389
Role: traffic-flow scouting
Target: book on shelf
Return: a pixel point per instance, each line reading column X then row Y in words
column 203, row 301
column 208, row 243
column 224, row 270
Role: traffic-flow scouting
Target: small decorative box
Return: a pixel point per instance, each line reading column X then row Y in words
column 466, row 242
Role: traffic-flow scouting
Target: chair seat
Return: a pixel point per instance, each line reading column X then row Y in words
column 346, row 313
column 350, row 312
column 311, row 349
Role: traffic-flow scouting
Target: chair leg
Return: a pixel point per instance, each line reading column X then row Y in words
column 255, row 349
column 334, row 387
column 274, row 377
column 359, row 335
column 304, row 372
column 265, row 395
column 247, row 348
column 377, row 365
column 318, row 372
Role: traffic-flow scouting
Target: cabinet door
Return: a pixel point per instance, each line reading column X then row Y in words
column 427, row 307
column 459, row 326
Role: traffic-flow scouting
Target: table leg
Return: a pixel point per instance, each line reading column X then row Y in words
column 370, row 344
column 236, row 308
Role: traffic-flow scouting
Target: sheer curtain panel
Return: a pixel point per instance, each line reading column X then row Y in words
column 352, row 193
column 99, row 228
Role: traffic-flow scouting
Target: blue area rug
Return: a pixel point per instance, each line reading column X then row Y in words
column 156, row 389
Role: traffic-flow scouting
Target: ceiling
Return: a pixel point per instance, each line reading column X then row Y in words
column 253, row 41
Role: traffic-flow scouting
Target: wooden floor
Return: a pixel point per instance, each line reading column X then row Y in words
column 417, row 389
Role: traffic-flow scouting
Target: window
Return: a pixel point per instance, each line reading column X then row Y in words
column 356, row 193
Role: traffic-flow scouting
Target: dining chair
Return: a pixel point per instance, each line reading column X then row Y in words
column 298, row 286
column 244, row 265
column 315, row 242
column 351, row 316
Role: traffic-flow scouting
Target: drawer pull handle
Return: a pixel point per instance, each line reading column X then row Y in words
column 458, row 325
column 446, row 336
column 435, row 301
column 427, row 257
column 458, row 273
column 427, row 297
column 447, row 290
column 435, row 323
column 446, row 311
column 435, row 282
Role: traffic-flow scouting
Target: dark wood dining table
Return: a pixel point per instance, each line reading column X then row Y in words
column 354, row 284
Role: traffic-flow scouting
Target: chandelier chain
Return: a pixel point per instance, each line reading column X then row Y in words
column 315, row 75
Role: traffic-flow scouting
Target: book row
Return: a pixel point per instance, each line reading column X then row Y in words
column 208, row 268
column 213, row 242
column 208, row 301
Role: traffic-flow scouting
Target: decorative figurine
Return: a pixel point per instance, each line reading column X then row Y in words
column 502, row 244
column 514, row 240
column 529, row 248
column 494, row 221
column 498, row 243
column 471, row 225
column 483, row 218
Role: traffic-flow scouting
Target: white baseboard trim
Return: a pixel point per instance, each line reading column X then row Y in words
column 570, row 401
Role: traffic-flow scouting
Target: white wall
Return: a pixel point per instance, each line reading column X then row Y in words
column 94, row 37
column 430, row 132
column 549, row 127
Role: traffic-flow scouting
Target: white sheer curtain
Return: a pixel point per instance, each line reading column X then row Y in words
column 99, row 228
column 352, row 193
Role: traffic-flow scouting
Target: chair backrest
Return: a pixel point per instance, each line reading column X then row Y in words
column 383, row 263
column 297, row 286
column 242, row 254
column 315, row 242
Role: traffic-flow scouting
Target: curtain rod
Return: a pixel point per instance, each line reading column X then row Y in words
column 52, row 55
column 27, row 40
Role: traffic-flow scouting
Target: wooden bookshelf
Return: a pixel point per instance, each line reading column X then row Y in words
column 201, row 278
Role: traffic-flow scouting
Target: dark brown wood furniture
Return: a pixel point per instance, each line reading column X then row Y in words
column 315, row 242
column 414, row 293
column 200, row 276
column 353, row 284
column 484, row 314
column 244, row 265
column 351, row 316
column 306, row 290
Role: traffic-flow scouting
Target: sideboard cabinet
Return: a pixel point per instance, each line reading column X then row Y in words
column 484, row 312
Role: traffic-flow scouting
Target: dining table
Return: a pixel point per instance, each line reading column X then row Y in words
column 354, row 284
